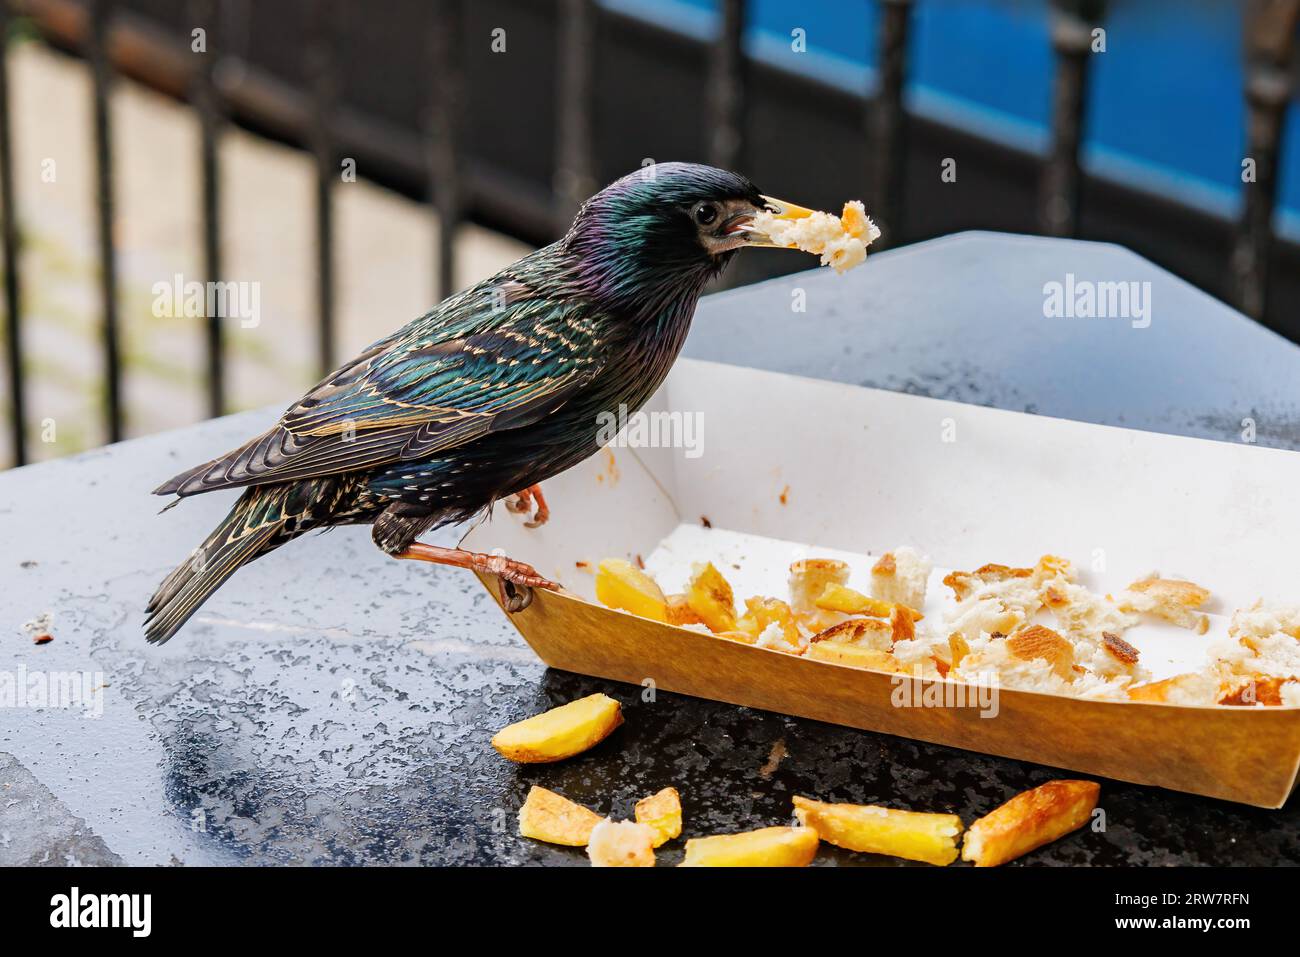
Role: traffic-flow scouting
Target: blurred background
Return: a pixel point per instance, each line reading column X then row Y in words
column 346, row 164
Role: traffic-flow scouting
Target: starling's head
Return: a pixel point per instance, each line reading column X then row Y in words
column 667, row 223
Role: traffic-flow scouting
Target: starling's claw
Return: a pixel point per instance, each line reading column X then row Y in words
column 515, row 598
column 507, row 569
column 523, row 502
column 541, row 516
column 517, row 573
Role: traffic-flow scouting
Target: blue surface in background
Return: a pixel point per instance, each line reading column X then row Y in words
column 1165, row 110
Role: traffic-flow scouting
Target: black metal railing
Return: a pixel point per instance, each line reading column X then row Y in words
column 575, row 164
column 444, row 136
column 208, row 104
column 727, row 90
column 1270, row 31
column 100, row 13
column 1271, row 27
column 9, row 237
column 322, row 77
column 1073, row 26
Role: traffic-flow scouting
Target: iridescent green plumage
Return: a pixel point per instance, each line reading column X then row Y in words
column 498, row 388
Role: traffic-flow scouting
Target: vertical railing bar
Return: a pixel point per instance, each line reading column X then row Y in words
column 207, row 102
column 887, row 120
column 13, row 283
column 1270, row 29
column 100, row 17
column 321, row 76
column 1072, row 24
column 575, row 177
column 444, row 138
column 727, row 88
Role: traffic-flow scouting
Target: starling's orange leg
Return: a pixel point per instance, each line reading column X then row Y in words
column 507, row 569
column 522, row 504
column 518, row 579
column 543, row 512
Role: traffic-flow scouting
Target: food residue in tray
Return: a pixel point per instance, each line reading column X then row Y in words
column 1037, row 628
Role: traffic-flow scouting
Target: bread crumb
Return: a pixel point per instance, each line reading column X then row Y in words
column 1083, row 615
column 808, row 580
column 1191, row 688
column 41, row 628
column 1166, row 598
column 964, row 583
column 865, row 632
column 1263, row 692
column 621, row 844
column 774, row 637
column 841, row 242
column 901, row 577
column 1119, row 649
column 1035, row 641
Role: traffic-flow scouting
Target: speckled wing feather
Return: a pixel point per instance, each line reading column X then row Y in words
column 262, row 520
column 482, row 362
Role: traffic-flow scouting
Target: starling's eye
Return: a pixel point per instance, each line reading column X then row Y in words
column 706, row 214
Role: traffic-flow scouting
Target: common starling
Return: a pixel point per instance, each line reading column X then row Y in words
column 493, row 391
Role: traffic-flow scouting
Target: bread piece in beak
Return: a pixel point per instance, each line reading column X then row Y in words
column 841, row 242
column 779, row 210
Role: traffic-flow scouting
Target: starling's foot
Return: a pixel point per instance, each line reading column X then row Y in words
column 507, row 569
column 515, row 598
column 522, row 503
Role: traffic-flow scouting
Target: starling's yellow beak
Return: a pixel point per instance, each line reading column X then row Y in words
column 778, row 209
column 783, row 210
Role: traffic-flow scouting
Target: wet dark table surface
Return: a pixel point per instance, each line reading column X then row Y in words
column 330, row 706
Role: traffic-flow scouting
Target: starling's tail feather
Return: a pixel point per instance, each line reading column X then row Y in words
column 257, row 524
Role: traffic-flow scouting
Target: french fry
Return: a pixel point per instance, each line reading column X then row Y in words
column 561, row 732
column 912, row 835
column 663, row 812
column 621, row 844
column 766, row 847
column 958, row 648
column 837, row 597
column 709, row 596
column 546, row 816
column 681, row 613
column 841, row 598
column 761, row 612
column 1029, row 820
column 620, row 584
column 855, row 656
